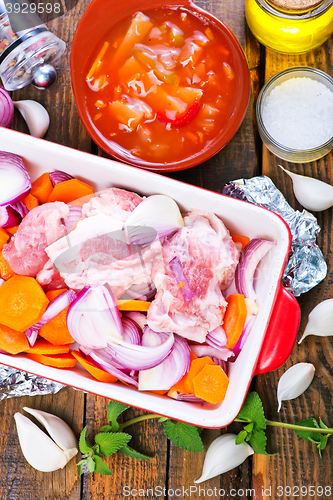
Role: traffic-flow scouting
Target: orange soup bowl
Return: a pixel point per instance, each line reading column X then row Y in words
column 162, row 85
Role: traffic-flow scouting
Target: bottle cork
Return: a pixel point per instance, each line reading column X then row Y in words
column 295, row 5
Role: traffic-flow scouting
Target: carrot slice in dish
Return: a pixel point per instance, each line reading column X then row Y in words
column 211, row 384
column 42, row 346
column 55, row 360
column 97, row 373
column 13, row 341
column 234, row 318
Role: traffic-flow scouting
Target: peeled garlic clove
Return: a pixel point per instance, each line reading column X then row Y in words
column 294, row 382
column 38, row 449
column 223, row 455
column 59, row 431
column 159, row 212
column 311, row 193
column 320, row 320
column 35, row 116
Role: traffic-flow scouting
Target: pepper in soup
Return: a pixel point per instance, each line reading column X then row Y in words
column 161, row 85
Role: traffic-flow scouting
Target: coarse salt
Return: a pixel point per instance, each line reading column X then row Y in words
column 298, row 113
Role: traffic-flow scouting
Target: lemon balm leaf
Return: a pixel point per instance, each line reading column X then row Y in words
column 114, row 409
column 185, row 436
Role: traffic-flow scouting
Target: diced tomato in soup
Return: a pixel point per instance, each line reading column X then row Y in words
column 160, row 86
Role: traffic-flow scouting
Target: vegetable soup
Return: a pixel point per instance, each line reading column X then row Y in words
column 161, row 85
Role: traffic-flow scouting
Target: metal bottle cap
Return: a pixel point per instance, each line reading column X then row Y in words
column 44, row 76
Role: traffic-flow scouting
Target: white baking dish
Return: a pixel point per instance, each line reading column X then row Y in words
column 276, row 326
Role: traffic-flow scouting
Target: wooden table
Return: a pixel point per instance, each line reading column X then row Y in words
column 297, row 463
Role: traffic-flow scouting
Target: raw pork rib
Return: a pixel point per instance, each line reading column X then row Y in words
column 25, row 253
column 209, row 258
column 113, row 201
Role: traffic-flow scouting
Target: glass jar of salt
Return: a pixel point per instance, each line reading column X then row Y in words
column 290, row 26
column 295, row 114
column 27, row 48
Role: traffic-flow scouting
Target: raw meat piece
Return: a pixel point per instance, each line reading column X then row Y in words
column 113, row 201
column 25, row 253
column 208, row 257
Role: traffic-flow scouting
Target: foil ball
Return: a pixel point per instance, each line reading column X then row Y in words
column 44, row 76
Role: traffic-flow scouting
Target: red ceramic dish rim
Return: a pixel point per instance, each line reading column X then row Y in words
column 93, row 21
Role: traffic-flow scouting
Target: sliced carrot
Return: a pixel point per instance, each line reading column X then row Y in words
column 243, row 240
column 234, row 318
column 30, row 201
column 97, row 373
column 133, row 305
column 196, row 366
column 6, row 271
column 4, row 237
column 22, row 302
column 42, row 188
column 12, row 230
column 13, row 341
column 159, row 392
column 68, row 191
column 180, row 385
column 52, row 294
column 43, row 346
column 55, row 360
column 211, row 384
column 56, row 331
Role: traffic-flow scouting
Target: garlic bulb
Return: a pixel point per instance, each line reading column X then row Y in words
column 311, row 193
column 35, row 116
column 294, row 382
column 223, row 455
column 320, row 320
column 42, row 452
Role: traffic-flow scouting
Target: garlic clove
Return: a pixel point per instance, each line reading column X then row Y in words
column 37, row 447
column 320, row 320
column 35, row 116
column 294, row 382
column 159, row 212
column 311, row 193
column 58, row 430
column 223, row 455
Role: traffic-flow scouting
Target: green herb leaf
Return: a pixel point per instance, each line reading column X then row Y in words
column 252, row 411
column 162, row 419
column 114, row 409
column 110, row 442
column 241, row 436
column 319, row 439
column 101, row 467
column 258, row 441
column 84, row 446
column 106, row 428
column 90, row 462
column 185, row 436
column 322, row 425
column 128, row 451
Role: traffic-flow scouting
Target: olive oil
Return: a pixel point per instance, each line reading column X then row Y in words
column 290, row 31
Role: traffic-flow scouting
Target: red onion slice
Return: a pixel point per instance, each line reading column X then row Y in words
column 132, row 332
column 93, row 319
column 252, row 254
column 139, row 318
column 9, row 217
column 101, row 362
column 252, row 312
column 55, row 307
column 217, row 338
column 178, row 272
column 207, row 350
column 58, row 176
column 140, row 357
column 20, row 208
column 75, row 214
column 188, row 398
column 31, row 334
column 6, row 108
column 170, row 371
column 15, row 182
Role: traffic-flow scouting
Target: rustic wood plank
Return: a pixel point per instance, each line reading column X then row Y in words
column 297, row 463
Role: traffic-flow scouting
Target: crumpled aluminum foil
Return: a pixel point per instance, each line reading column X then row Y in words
column 305, row 269
column 14, row 383
column 306, row 266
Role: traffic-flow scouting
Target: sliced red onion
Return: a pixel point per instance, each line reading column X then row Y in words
column 188, row 398
column 222, row 364
column 171, row 370
column 139, row 318
column 9, row 217
column 21, row 208
column 93, row 319
column 55, row 307
column 75, row 214
column 146, row 291
column 96, row 358
column 31, row 334
column 141, row 357
column 104, row 355
column 178, row 272
column 6, row 108
column 132, row 332
column 252, row 254
column 15, row 182
column 4, row 352
column 217, row 338
column 58, row 176
column 252, row 310
column 207, row 350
